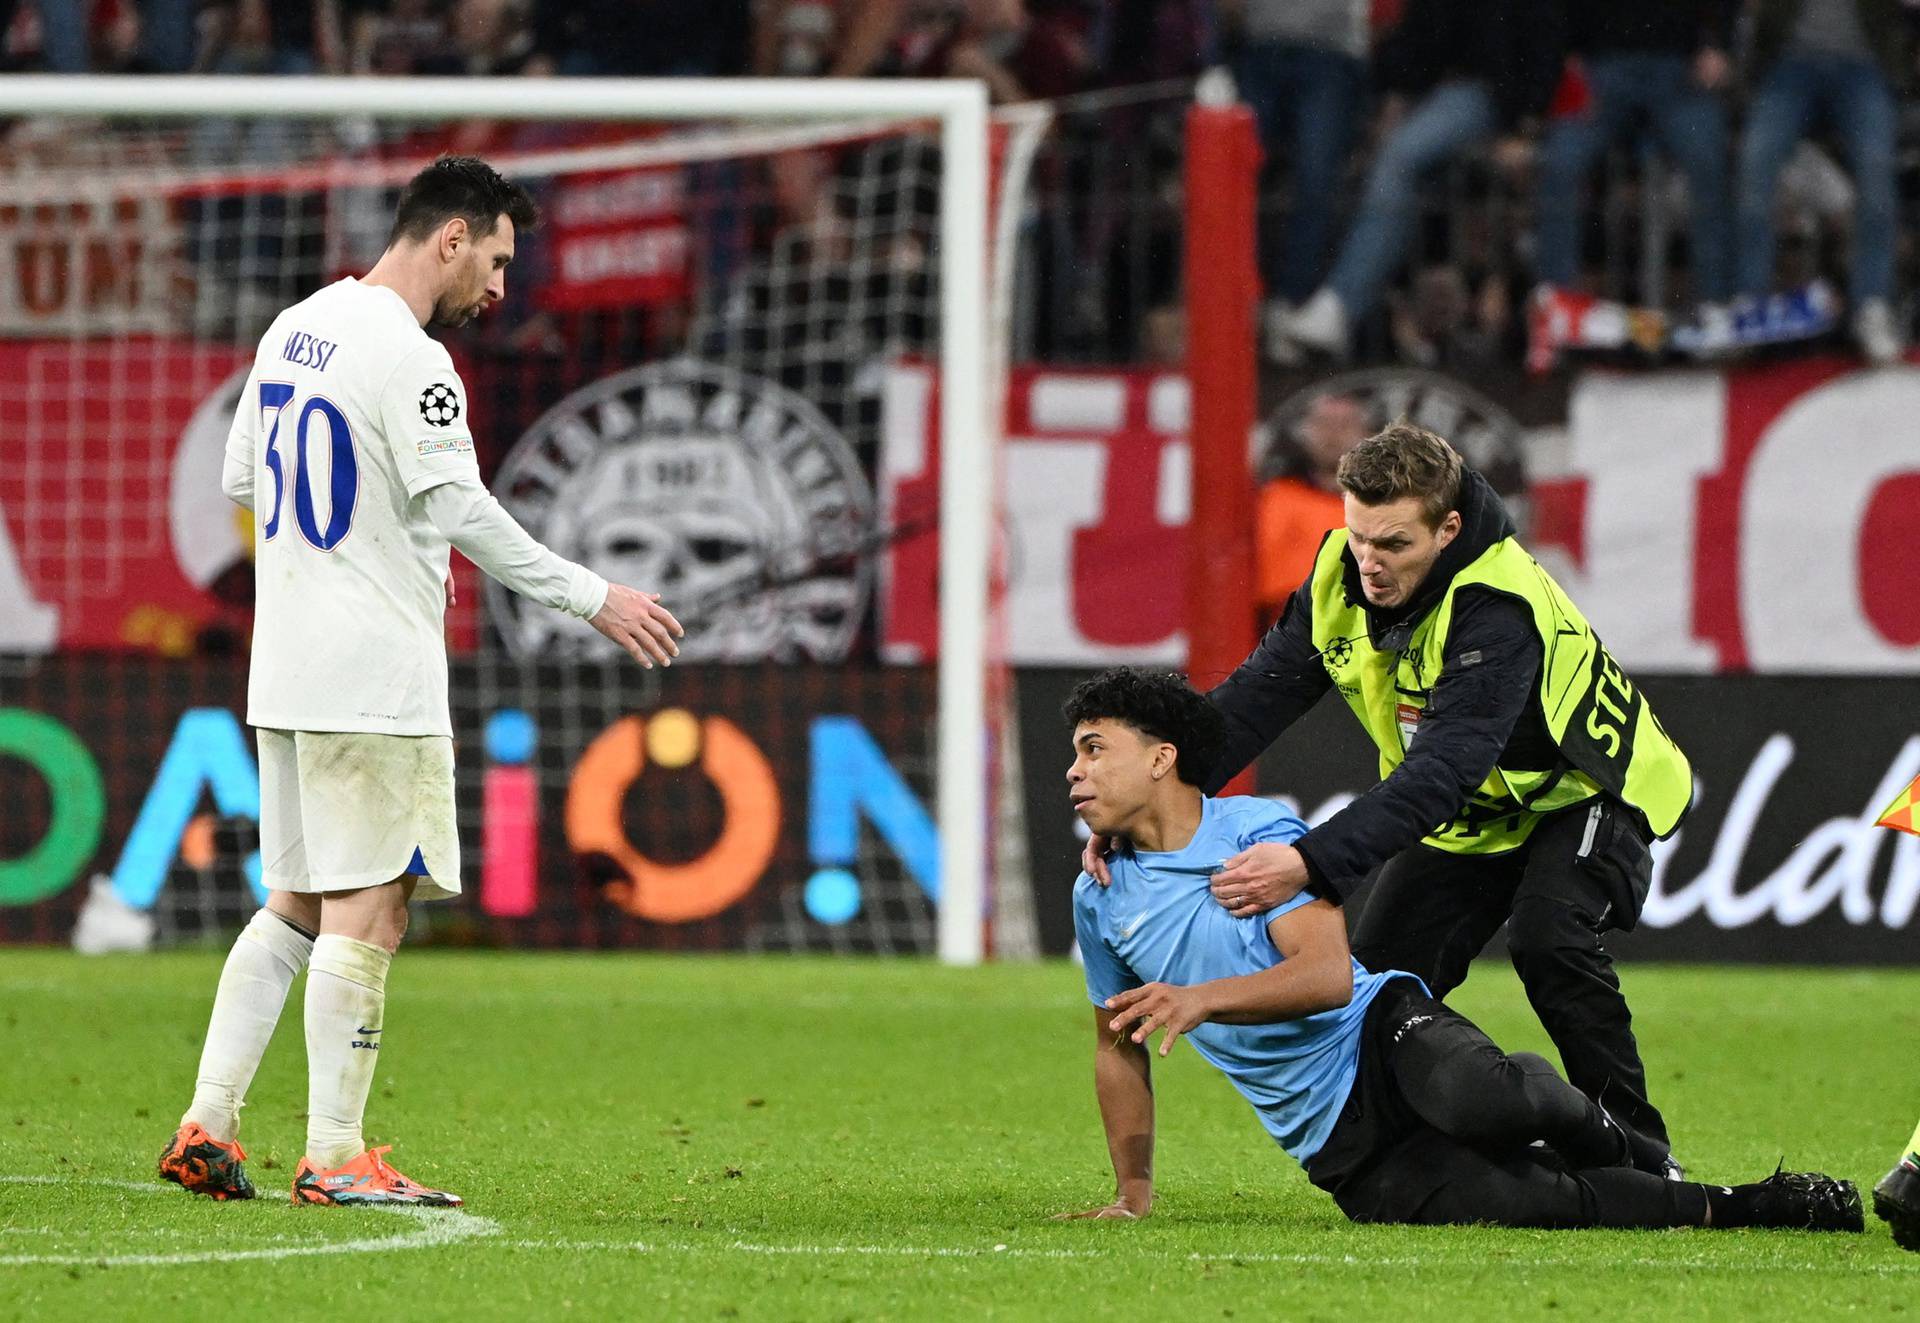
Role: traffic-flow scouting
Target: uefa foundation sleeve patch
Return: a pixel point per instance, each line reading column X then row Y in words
column 439, row 405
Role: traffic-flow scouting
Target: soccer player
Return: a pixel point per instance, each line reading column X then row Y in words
column 351, row 447
column 1401, row 1109
column 1524, row 776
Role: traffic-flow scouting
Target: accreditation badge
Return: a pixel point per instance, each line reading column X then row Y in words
column 1408, row 717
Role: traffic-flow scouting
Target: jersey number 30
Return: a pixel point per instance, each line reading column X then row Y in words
column 342, row 469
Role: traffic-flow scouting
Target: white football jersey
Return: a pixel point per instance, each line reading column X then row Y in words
column 351, row 411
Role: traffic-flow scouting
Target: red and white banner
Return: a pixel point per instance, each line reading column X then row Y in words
column 1094, row 474
column 1765, row 520
column 618, row 239
column 113, row 529
column 100, row 264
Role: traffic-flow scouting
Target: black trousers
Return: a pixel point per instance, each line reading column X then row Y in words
column 1583, row 871
column 1440, row 1127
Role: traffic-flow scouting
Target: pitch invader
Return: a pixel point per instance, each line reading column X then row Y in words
column 1396, row 1105
column 352, row 448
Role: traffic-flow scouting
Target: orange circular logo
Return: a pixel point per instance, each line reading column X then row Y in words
column 749, row 795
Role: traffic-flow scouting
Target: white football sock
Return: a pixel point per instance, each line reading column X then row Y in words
column 346, row 999
column 268, row 956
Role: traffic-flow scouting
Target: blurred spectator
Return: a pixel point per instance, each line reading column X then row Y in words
column 168, row 34
column 1294, row 510
column 1841, row 61
column 273, row 37
column 1484, row 70
column 104, row 36
column 1301, row 67
column 1020, row 50
column 399, row 38
column 1654, row 67
column 642, row 38
column 492, row 37
column 1150, row 41
column 796, row 38
column 962, row 39
column 825, row 38
column 60, row 32
column 1442, row 324
column 1056, row 57
column 483, row 38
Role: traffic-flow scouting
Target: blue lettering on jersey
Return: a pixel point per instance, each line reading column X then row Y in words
column 309, row 351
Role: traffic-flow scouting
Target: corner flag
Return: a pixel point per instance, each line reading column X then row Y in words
column 1901, row 814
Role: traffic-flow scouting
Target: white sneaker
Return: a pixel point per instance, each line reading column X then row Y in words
column 1878, row 336
column 107, row 923
column 1320, row 323
column 1281, row 349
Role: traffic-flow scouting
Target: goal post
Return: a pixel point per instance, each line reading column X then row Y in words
column 968, row 416
column 1222, row 300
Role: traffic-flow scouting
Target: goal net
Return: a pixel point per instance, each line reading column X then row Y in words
column 685, row 389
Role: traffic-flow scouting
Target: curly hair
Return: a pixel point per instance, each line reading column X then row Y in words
column 1161, row 706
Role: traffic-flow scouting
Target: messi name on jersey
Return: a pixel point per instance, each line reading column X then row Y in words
column 309, row 351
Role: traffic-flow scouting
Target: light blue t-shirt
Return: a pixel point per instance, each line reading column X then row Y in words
column 1158, row 923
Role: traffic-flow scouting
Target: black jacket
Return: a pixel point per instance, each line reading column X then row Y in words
column 1484, row 709
column 1516, row 47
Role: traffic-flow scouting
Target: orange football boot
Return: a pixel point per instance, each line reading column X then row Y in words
column 365, row 1180
column 200, row 1164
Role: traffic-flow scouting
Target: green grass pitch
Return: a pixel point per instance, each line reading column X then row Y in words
column 715, row 1138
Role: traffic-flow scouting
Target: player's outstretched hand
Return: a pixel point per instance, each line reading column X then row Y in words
column 638, row 623
column 1158, row 1006
column 1093, row 859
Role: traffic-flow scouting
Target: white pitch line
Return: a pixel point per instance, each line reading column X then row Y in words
column 437, row 1227
column 1137, row 1252
column 84, row 1180
column 448, row 1226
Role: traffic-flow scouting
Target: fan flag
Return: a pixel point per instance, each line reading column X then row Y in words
column 1900, row 813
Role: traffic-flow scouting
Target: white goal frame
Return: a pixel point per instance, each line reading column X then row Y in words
column 969, row 429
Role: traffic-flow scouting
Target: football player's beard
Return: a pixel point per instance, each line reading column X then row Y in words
column 459, row 315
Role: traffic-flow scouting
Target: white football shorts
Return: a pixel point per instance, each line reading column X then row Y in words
column 343, row 811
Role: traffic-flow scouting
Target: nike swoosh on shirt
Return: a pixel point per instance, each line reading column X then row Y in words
column 1131, row 928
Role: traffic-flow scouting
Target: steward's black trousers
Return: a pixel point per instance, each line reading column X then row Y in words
column 1584, row 870
column 1440, row 1125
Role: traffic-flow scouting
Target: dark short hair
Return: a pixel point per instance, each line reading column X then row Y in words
column 463, row 186
column 1404, row 459
column 1161, row 706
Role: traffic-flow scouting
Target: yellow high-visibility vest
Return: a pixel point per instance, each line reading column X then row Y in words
column 1599, row 719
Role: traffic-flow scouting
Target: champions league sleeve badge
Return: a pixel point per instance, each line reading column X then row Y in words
column 729, row 493
column 440, row 405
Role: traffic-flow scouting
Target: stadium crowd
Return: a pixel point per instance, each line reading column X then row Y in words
column 1511, row 177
